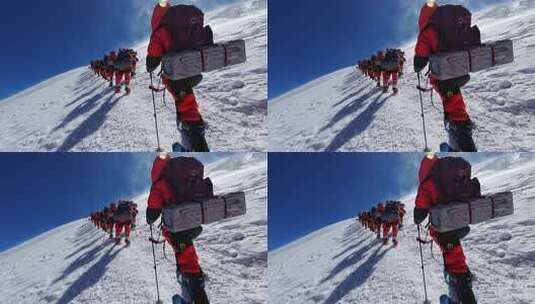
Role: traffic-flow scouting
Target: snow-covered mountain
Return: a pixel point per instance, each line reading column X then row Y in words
column 343, row 111
column 344, row 263
column 75, row 111
column 76, row 263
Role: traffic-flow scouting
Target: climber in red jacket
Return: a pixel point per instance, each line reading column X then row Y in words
column 390, row 70
column 189, row 119
column 455, row 266
column 378, row 221
column 110, row 69
column 456, row 118
column 390, row 221
column 187, row 260
column 379, row 70
column 402, row 212
column 123, row 71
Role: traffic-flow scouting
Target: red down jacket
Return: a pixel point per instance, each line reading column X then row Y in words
column 428, row 195
column 161, row 194
column 428, row 43
column 161, row 43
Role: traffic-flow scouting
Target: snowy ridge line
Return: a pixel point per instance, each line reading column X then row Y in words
column 308, row 85
column 40, row 237
column 44, row 84
column 309, row 237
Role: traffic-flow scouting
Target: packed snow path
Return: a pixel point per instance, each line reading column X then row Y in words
column 76, row 263
column 344, row 111
column 76, row 111
column 344, row 263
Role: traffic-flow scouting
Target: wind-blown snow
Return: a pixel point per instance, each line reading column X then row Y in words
column 75, row 111
column 76, row 263
column 344, row 263
column 344, row 111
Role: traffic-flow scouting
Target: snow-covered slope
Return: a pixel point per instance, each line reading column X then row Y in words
column 75, row 111
column 344, row 263
column 76, row 263
column 344, row 111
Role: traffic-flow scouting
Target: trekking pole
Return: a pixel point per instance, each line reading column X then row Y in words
column 422, row 262
column 155, row 268
column 423, row 114
column 155, row 115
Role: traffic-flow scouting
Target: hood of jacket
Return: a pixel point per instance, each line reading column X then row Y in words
column 157, row 167
column 157, row 15
column 425, row 14
column 426, row 166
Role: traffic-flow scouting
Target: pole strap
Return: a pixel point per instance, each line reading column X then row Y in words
column 226, row 54
column 493, row 55
column 203, row 61
column 152, row 240
column 226, row 206
column 470, row 214
column 157, row 90
column 424, row 89
column 470, row 61
column 493, row 204
column 420, row 240
column 203, row 218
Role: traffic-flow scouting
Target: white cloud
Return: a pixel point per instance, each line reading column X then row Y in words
column 140, row 172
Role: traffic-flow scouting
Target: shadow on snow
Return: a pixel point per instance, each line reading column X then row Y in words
column 82, row 260
column 357, row 277
column 91, row 276
column 81, row 109
column 360, row 237
column 86, row 92
column 360, row 123
column 90, row 125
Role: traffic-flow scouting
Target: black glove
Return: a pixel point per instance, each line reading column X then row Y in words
column 420, row 63
column 420, row 215
column 152, row 215
column 153, row 63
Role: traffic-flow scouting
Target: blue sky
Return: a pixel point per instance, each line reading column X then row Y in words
column 308, row 191
column 311, row 38
column 41, row 39
column 44, row 190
